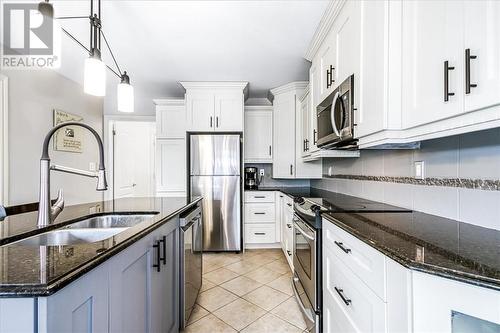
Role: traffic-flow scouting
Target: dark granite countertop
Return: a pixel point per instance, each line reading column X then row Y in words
column 28, row 271
column 419, row 241
column 429, row 243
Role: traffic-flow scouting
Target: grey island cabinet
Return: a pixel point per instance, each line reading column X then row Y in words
column 133, row 289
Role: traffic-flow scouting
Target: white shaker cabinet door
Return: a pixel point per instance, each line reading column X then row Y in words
column 228, row 115
column 258, row 135
column 171, row 121
column 200, row 111
column 171, row 170
column 284, row 136
column 482, row 40
column 432, row 34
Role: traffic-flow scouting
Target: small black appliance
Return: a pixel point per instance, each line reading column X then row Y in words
column 251, row 178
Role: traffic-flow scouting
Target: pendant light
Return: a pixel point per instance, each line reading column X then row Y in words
column 125, row 95
column 94, row 82
column 94, row 77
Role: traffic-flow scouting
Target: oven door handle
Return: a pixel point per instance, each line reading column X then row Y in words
column 332, row 114
column 303, row 309
column 304, row 233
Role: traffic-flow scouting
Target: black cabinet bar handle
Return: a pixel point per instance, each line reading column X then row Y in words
column 346, row 300
column 291, row 169
column 289, row 253
column 447, row 70
column 217, row 121
column 259, row 233
column 289, row 204
column 270, row 151
column 157, row 265
column 307, row 144
column 289, row 226
column 164, row 257
column 314, row 136
column 331, row 75
column 211, row 121
column 259, row 196
column 259, row 213
column 328, row 78
column 468, row 58
column 341, row 245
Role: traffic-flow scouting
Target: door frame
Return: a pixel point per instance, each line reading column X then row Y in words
column 4, row 140
column 109, row 121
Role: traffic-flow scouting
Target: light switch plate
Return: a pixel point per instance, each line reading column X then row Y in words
column 261, row 172
column 419, row 170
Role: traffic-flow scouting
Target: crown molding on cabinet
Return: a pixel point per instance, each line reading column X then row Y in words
column 242, row 85
column 305, row 93
column 297, row 85
column 169, row 101
column 324, row 27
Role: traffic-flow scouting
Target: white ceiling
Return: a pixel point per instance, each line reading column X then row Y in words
column 162, row 42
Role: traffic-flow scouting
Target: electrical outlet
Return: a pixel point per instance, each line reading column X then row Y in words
column 261, row 172
column 419, row 170
column 92, row 166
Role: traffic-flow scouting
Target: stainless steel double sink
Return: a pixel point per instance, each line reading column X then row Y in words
column 94, row 229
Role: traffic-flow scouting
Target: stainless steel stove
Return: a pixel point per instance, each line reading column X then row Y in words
column 307, row 240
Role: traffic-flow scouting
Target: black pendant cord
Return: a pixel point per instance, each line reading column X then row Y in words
column 111, row 52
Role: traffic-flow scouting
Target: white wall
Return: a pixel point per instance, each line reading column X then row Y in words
column 32, row 97
column 471, row 156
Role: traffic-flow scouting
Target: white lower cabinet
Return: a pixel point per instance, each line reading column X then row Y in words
column 287, row 229
column 260, row 218
column 260, row 233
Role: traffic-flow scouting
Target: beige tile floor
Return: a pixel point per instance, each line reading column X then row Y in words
column 248, row 293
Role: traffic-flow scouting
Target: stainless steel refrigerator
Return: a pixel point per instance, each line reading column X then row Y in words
column 215, row 174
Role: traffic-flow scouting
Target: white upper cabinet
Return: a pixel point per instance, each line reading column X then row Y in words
column 305, row 122
column 432, row 66
column 284, row 135
column 327, row 68
column 170, row 118
column 482, row 39
column 258, row 134
column 214, row 106
column 228, row 111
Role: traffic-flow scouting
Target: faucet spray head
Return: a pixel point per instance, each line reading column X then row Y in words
column 102, row 184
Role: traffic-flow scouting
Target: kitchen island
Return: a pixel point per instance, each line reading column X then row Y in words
column 127, row 281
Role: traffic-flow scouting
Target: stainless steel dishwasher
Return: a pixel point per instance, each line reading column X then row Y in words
column 191, row 241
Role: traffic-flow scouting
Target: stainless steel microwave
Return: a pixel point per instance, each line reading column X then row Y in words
column 335, row 117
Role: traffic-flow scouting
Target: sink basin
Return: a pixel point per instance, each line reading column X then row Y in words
column 111, row 221
column 70, row 237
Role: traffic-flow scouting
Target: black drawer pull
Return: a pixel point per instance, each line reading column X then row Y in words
column 342, row 247
column 346, row 300
column 157, row 265
column 259, row 196
column 259, row 213
column 447, row 70
column 164, row 257
column 259, row 233
column 289, row 226
column 289, row 253
column 468, row 58
column 289, row 204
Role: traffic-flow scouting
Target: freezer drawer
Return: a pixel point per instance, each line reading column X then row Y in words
column 221, row 211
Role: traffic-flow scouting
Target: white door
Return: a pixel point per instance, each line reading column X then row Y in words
column 432, row 34
column 258, row 136
column 200, row 111
column 284, row 136
column 229, row 112
column 133, row 158
column 482, row 38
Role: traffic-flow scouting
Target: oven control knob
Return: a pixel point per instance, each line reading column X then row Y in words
column 315, row 208
column 299, row 200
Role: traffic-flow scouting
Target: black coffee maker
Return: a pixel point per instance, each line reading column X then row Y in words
column 251, row 178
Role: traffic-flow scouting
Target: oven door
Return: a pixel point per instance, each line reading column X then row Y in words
column 304, row 256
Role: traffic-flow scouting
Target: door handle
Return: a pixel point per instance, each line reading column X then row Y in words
column 157, row 264
column 468, row 58
column 164, row 241
column 447, row 70
column 346, row 300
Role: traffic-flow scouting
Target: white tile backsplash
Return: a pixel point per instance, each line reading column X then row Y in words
column 436, row 200
column 479, row 155
column 400, row 195
column 480, row 208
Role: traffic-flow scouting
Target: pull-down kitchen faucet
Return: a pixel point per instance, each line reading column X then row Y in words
column 47, row 212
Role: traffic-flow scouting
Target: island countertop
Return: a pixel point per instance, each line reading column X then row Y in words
column 30, row 271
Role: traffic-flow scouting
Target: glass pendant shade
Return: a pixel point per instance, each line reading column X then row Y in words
column 94, row 81
column 125, row 95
